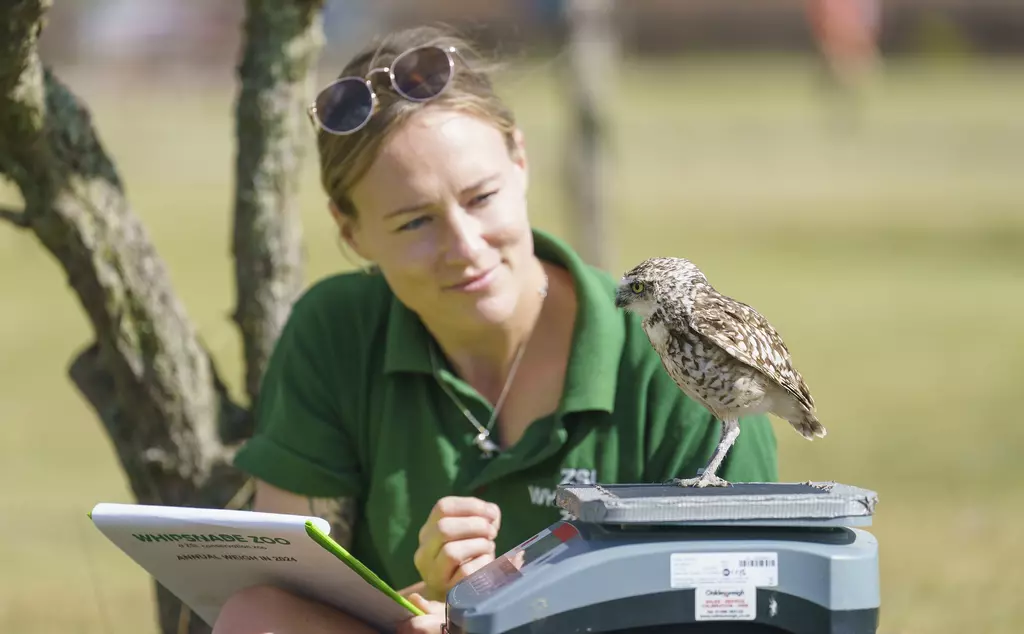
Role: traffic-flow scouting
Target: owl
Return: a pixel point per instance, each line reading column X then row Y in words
column 720, row 352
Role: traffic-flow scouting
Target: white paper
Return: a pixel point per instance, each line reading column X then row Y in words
column 690, row 569
column 725, row 602
column 204, row 556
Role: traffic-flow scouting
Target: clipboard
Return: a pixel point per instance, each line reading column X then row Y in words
column 204, row 556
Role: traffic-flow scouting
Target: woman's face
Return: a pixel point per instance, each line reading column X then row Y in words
column 442, row 212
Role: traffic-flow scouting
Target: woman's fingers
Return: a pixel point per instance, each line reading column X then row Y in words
column 457, row 518
column 428, row 607
column 455, row 506
column 470, row 567
column 454, row 554
column 454, row 528
column 457, row 539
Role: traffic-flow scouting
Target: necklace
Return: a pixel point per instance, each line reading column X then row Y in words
column 483, row 437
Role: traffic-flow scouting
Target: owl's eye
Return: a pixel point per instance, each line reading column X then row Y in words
column 638, row 287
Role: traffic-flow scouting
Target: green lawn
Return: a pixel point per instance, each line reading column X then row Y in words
column 891, row 257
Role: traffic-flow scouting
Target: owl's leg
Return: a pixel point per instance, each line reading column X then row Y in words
column 708, row 478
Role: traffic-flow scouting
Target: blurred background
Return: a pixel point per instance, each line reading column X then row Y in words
column 854, row 169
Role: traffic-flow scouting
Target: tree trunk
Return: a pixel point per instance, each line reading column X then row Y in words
column 146, row 374
column 282, row 42
column 592, row 48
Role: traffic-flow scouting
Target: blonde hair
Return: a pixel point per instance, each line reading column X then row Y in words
column 344, row 159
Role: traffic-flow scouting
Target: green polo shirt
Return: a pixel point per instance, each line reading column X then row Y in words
column 349, row 407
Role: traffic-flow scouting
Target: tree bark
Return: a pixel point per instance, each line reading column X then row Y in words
column 282, row 43
column 146, row 374
column 592, row 48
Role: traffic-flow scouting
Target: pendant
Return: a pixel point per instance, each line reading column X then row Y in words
column 486, row 445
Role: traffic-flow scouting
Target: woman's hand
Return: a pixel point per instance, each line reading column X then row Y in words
column 429, row 623
column 456, row 540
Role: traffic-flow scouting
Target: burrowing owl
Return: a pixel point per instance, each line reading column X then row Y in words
column 719, row 351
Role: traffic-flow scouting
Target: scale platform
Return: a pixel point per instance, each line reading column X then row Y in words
column 808, row 504
column 750, row 558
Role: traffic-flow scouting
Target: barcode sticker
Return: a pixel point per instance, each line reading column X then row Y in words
column 688, row 570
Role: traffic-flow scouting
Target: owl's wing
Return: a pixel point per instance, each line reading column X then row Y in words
column 748, row 337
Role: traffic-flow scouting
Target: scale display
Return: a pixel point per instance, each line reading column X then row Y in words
column 523, row 559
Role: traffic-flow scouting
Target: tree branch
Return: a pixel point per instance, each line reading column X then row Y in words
column 282, row 42
column 592, row 46
column 153, row 372
column 15, row 217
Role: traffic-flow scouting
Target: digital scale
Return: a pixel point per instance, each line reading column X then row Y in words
column 660, row 559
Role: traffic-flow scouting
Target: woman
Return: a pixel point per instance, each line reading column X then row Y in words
column 376, row 408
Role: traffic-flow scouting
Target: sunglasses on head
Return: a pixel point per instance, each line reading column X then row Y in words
column 419, row 74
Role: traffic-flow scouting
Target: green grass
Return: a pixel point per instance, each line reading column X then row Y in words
column 891, row 257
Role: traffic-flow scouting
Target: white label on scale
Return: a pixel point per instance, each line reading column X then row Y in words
column 689, row 570
column 732, row 602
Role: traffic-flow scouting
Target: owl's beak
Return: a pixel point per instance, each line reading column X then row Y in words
column 620, row 299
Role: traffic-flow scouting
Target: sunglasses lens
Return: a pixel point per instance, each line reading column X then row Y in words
column 344, row 106
column 423, row 73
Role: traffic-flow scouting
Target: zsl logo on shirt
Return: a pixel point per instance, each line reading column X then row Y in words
column 545, row 496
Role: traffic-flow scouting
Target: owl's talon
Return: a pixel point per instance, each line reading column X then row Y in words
column 701, row 481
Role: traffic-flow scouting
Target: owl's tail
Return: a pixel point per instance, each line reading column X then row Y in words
column 807, row 425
